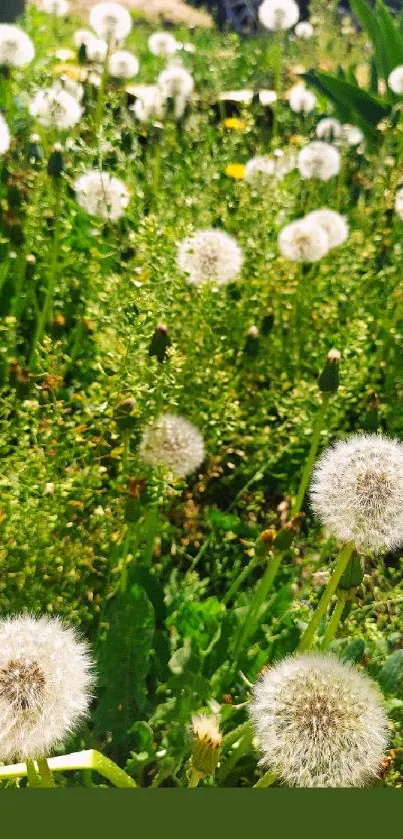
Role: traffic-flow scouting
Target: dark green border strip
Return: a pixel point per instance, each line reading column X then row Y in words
column 211, row 814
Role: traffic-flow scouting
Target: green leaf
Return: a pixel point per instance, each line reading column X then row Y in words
column 354, row 651
column 124, row 662
column 367, row 18
column 365, row 105
column 391, row 675
column 391, row 38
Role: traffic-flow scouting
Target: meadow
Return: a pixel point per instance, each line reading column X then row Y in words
column 201, row 373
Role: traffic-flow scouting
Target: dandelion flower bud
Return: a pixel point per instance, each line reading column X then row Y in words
column 319, row 722
column 319, row 160
column 110, row 21
column 59, row 8
column 329, row 129
column 206, row 744
column 159, row 342
column 304, row 30
column 123, row 65
column 399, row 203
column 16, row 47
column 357, row 491
column 56, row 109
column 56, row 162
column 395, row 80
column 45, row 685
column 328, row 380
column 174, row 443
column 4, row 136
column 333, row 224
column 352, row 135
column 162, row 43
column 278, row 14
column 210, row 256
column 303, row 241
column 102, row 195
column 301, row 100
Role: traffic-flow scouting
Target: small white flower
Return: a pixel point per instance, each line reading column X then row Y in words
column 329, row 129
column 399, row 203
column 110, row 21
column 4, row 136
column 123, row 65
column 319, row 722
column 70, row 86
column 357, row 491
column 56, row 109
column 16, row 48
column 395, row 80
column 174, row 443
column 352, row 135
column 210, row 256
column 97, row 50
column 334, row 225
column 319, row 160
column 302, row 100
column 304, row 240
column 59, row 8
column 278, row 14
column 304, row 29
column 45, row 685
column 162, row 43
column 149, row 103
column 102, row 195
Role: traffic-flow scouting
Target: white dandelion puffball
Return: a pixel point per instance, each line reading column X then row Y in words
column 110, row 21
column 4, row 136
column 16, row 47
column 45, row 685
column 304, row 240
column 259, row 168
column 210, row 256
column 97, row 50
column 352, row 135
column 357, row 491
column 59, row 8
column 83, row 37
column 334, row 225
column 56, row 109
column 319, row 722
column 102, row 195
column 267, row 97
column 70, row 86
column 399, row 203
column 329, row 129
column 304, row 29
column 175, row 82
column 278, row 14
column 123, row 65
column 319, row 160
column 162, row 43
column 149, row 103
column 174, row 443
column 301, row 100
column 395, row 80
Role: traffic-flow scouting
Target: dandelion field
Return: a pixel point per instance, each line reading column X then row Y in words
column 201, row 373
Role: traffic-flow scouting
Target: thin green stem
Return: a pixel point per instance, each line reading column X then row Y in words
column 194, row 778
column 240, row 579
column 266, row 781
column 334, row 621
column 321, row 609
column 86, row 760
column 235, row 754
column 311, row 456
column 101, row 90
column 45, row 773
column 278, row 61
column 33, row 777
column 45, row 314
column 260, row 595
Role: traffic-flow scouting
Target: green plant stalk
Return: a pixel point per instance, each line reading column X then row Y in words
column 131, row 533
column 278, row 62
column 89, row 759
column 311, row 456
column 334, row 621
column 266, row 781
column 235, row 755
column 102, row 90
column 30, row 770
column 254, row 562
column 45, row 773
column 320, row 611
column 194, row 778
column 53, row 273
column 259, row 597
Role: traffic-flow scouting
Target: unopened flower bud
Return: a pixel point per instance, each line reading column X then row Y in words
column 206, row 744
column 126, row 415
column 251, row 346
column 55, row 162
column 159, row 342
column 354, row 573
column 328, row 380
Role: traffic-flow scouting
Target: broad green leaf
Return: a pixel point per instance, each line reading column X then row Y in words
column 391, row 675
column 354, row 651
column 392, row 40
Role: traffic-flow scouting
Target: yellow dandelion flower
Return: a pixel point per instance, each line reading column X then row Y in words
column 235, row 171
column 79, row 74
column 235, row 124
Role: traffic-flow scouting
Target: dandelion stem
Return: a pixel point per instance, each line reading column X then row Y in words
column 53, row 272
column 246, row 630
column 312, row 454
column 278, row 60
column 33, row 777
column 87, row 759
column 266, row 781
column 320, row 611
column 334, row 621
column 102, row 89
column 45, row 773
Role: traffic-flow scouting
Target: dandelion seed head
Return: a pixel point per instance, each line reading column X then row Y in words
column 399, row 203
column 319, row 722
column 334, row 224
column 329, row 129
column 59, row 8
column 319, row 160
column 301, row 100
column 123, row 65
column 101, row 194
column 304, row 240
column 176, row 81
column 264, row 167
column 150, row 102
column 352, row 135
column 110, row 21
column 16, row 47
column 83, row 37
column 210, row 256
column 4, row 136
column 395, row 80
column 357, row 491
column 162, row 43
column 97, row 50
column 45, row 685
column 206, row 727
column 56, row 109
column 174, row 443
column 278, row 14
column 304, row 30
column 72, row 87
